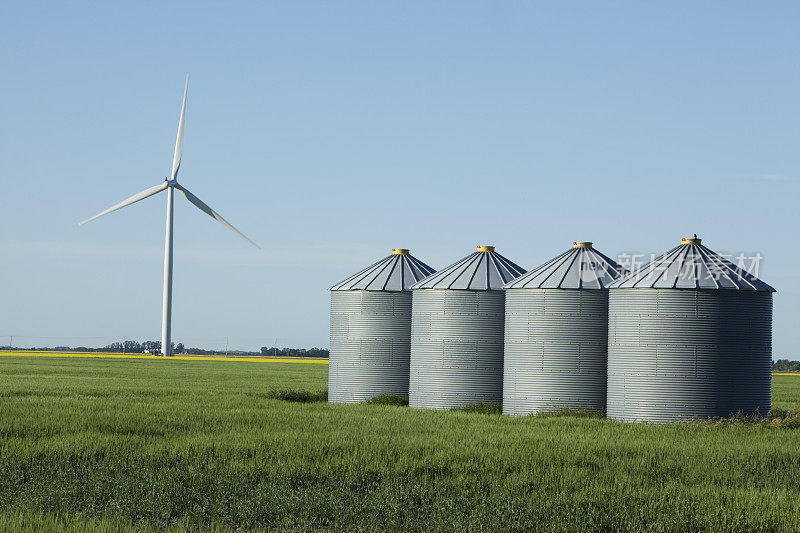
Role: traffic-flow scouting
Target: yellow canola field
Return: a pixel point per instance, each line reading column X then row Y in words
column 103, row 355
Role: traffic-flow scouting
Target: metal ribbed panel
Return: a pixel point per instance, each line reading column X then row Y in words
column 370, row 345
column 456, row 348
column 688, row 354
column 555, row 350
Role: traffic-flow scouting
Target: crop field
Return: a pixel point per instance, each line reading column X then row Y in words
column 112, row 444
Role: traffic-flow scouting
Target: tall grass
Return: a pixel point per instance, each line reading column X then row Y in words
column 118, row 444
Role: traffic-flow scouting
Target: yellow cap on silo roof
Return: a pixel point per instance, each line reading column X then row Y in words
column 581, row 244
column 484, row 248
column 400, row 251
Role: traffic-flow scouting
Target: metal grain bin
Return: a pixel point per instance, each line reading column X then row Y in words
column 457, row 332
column 556, row 334
column 690, row 337
column 371, row 329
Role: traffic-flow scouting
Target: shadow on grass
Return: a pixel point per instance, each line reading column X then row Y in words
column 482, row 408
column 569, row 413
column 388, row 399
column 298, row 396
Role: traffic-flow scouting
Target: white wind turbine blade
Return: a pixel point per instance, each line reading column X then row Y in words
column 210, row 212
column 132, row 200
column 176, row 159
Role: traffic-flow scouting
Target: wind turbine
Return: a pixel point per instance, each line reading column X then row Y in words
column 169, row 185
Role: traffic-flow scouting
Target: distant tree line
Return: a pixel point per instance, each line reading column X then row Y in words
column 784, row 365
column 114, row 347
column 179, row 348
column 140, row 347
column 294, row 352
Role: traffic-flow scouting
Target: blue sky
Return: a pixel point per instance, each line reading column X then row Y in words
column 332, row 132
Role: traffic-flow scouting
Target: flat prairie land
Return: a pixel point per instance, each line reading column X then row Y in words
column 94, row 444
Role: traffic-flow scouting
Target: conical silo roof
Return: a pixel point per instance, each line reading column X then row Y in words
column 483, row 270
column 580, row 267
column 396, row 272
column 691, row 266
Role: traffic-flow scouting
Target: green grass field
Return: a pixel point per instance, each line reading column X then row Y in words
column 112, row 445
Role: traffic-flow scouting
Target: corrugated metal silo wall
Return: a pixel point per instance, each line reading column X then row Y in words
column 688, row 354
column 370, row 345
column 556, row 343
column 456, row 348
